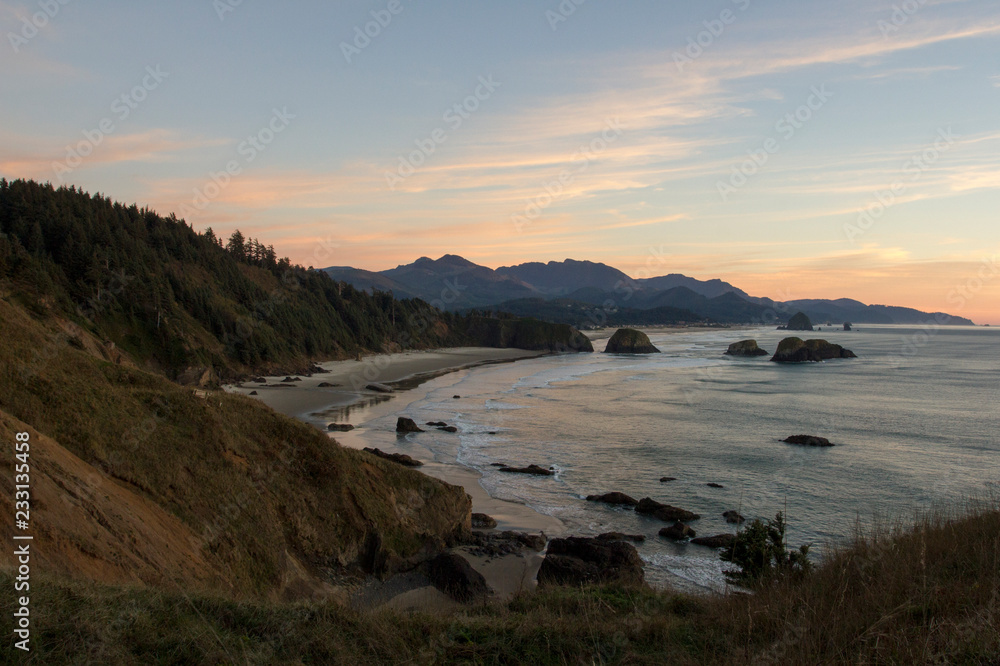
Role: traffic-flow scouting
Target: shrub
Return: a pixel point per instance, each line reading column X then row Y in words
column 759, row 551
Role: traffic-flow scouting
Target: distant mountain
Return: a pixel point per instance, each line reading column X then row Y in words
column 845, row 309
column 559, row 278
column 455, row 283
column 709, row 288
column 449, row 283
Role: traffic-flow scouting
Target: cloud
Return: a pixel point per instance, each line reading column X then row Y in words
column 33, row 157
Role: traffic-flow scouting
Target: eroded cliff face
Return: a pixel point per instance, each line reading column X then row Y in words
column 135, row 479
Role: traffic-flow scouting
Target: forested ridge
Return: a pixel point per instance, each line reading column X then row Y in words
column 174, row 298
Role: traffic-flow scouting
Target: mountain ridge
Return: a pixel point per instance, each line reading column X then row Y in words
column 455, row 283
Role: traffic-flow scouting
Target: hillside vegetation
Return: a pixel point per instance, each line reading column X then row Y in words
column 137, row 479
column 187, row 304
column 929, row 594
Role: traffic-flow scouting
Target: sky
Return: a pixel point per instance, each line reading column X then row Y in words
column 798, row 149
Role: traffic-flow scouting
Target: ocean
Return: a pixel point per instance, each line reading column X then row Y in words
column 915, row 423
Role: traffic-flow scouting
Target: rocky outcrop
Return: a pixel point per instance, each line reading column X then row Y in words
column 400, row 458
column 717, row 541
column 807, row 440
column 481, row 521
column 664, row 512
column 581, row 561
column 340, row 427
column 799, row 322
column 677, row 531
column 530, row 469
column 619, row 536
column 452, row 574
column 613, row 498
column 797, row 350
column 745, row 348
column 630, row 341
column 498, row 544
column 847, row 325
column 405, row 425
column 527, row 334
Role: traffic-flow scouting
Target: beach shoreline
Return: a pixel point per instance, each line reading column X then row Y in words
column 308, row 401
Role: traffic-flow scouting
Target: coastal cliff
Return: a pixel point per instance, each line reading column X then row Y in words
column 139, row 480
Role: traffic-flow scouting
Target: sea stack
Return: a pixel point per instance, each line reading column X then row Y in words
column 799, row 322
column 745, row 348
column 797, row 350
column 630, row 341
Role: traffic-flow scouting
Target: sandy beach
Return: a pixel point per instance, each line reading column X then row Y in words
column 346, row 380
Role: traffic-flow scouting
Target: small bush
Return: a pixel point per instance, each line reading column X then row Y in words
column 759, row 551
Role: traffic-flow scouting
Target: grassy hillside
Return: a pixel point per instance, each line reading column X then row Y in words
column 138, row 479
column 929, row 594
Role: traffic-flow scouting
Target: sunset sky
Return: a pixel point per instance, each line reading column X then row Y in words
column 739, row 139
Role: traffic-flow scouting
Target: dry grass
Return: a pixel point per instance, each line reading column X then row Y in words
column 923, row 595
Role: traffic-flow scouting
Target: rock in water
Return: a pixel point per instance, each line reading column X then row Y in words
column 677, row 531
column 847, row 325
column 733, row 517
column 745, row 348
column 630, row 341
column 452, row 574
column 480, row 521
column 613, row 498
column 580, row 561
column 379, row 388
column 530, row 469
column 404, row 424
column 807, row 440
column 340, row 427
column 664, row 512
column 717, row 541
column 799, row 322
column 797, row 350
